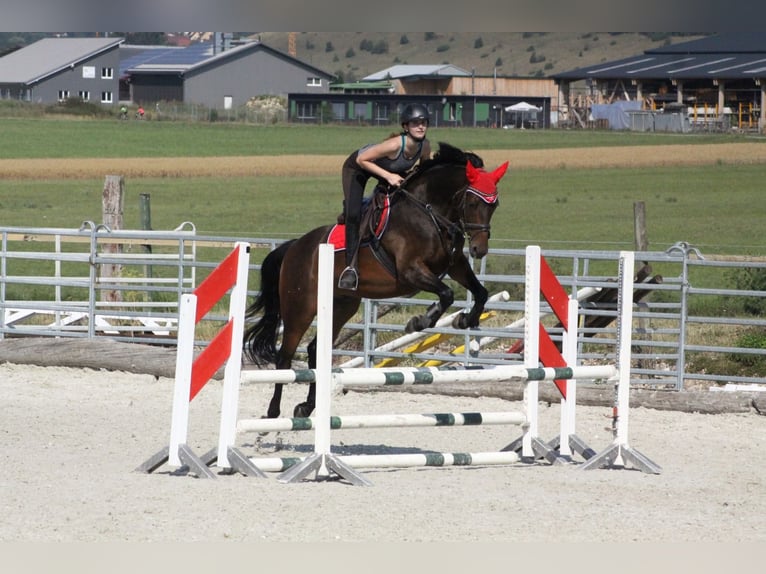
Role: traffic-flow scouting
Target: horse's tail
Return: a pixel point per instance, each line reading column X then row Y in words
column 260, row 338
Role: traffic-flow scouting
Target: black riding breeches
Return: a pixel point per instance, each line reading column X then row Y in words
column 354, row 182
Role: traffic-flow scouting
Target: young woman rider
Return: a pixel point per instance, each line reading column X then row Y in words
column 388, row 162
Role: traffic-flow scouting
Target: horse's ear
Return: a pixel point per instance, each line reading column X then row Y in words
column 499, row 172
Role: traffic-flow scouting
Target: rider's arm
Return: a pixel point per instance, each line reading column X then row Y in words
column 366, row 160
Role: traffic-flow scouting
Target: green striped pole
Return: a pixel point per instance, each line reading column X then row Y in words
column 362, row 461
column 384, row 421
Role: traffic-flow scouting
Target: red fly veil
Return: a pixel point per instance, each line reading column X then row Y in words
column 483, row 183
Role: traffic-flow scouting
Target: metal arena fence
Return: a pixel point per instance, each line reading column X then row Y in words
column 696, row 317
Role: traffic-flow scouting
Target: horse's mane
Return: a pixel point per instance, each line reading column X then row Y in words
column 448, row 154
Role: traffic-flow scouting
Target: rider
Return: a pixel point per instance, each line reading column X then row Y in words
column 388, row 162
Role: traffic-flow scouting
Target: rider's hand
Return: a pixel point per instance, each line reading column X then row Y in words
column 394, row 180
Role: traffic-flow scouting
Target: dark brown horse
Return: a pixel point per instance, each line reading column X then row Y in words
column 448, row 198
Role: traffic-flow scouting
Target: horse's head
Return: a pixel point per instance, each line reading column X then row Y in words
column 479, row 204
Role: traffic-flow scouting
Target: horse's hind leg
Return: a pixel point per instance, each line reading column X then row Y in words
column 306, row 408
column 344, row 309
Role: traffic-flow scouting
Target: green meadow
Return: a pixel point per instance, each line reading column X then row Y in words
column 719, row 208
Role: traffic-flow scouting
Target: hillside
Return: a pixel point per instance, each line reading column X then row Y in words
column 354, row 55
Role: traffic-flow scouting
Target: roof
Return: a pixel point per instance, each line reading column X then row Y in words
column 199, row 55
column 378, row 85
column 132, row 55
column 411, row 71
column 725, row 57
column 50, row 55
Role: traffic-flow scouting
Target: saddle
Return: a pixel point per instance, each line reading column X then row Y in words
column 374, row 221
column 375, row 213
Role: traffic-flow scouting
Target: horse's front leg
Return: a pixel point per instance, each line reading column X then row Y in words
column 307, row 407
column 435, row 310
column 462, row 273
column 276, row 399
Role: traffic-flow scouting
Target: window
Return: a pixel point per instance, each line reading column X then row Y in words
column 382, row 112
column 106, row 97
column 107, row 73
column 360, row 110
column 63, row 95
column 338, row 110
column 307, row 110
column 84, row 95
column 314, row 82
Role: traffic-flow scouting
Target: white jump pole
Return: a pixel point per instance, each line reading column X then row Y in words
column 322, row 461
column 619, row 452
column 231, row 378
column 179, row 419
column 531, row 347
column 324, row 352
column 569, row 352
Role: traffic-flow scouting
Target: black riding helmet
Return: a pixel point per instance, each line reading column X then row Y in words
column 414, row 112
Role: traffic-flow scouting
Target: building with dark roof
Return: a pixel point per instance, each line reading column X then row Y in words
column 714, row 76
column 55, row 69
column 218, row 76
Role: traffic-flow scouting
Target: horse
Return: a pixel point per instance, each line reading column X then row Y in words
column 447, row 199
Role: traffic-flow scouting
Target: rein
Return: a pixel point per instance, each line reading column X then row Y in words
column 455, row 230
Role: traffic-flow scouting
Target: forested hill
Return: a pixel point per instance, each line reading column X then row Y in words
column 353, row 55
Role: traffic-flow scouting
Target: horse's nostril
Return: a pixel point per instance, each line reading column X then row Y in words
column 477, row 251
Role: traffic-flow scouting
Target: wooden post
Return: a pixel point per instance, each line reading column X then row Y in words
column 112, row 202
column 641, row 242
column 145, row 215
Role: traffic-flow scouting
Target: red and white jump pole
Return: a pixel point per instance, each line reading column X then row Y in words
column 540, row 348
column 192, row 374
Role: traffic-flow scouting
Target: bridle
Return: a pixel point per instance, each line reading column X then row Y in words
column 457, row 231
column 477, row 227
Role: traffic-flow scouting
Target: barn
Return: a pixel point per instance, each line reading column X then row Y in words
column 219, row 76
column 56, row 69
column 716, row 82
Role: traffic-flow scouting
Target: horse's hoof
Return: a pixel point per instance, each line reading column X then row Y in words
column 413, row 325
column 303, row 410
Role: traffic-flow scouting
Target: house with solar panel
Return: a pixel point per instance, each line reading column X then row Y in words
column 219, row 74
column 56, row 69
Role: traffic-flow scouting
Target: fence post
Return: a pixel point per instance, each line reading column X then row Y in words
column 112, row 202
column 145, row 217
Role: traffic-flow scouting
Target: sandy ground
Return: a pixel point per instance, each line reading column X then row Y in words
column 72, row 439
column 323, row 165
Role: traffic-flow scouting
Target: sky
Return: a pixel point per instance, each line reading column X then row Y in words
column 392, row 15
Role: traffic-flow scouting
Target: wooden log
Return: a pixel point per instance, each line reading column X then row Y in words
column 703, row 402
column 107, row 354
column 100, row 353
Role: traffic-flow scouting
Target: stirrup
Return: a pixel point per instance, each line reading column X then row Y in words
column 348, row 279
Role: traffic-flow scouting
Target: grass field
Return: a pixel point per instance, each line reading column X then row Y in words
column 564, row 189
column 84, row 138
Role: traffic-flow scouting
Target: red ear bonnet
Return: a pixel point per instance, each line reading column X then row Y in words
column 482, row 183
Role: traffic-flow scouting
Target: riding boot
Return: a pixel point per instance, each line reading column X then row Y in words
column 349, row 278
